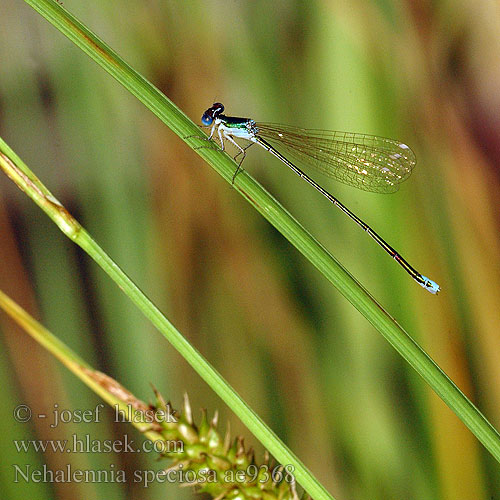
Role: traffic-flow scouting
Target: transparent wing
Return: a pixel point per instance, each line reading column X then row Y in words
column 364, row 161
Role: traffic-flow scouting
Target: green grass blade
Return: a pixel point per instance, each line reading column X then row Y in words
column 22, row 176
column 138, row 414
column 277, row 216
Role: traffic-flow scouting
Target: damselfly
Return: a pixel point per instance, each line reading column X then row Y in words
column 364, row 161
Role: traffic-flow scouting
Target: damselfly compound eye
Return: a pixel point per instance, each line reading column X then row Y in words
column 207, row 118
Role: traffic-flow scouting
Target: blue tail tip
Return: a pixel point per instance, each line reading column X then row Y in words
column 430, row 286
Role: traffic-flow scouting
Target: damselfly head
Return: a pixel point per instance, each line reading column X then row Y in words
column 212, row 113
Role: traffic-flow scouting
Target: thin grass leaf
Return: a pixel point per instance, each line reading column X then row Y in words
column 22, row 176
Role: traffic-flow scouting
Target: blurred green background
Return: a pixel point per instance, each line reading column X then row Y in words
column 427, row 73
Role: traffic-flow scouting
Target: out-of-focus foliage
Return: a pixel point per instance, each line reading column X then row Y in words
column 427, row 73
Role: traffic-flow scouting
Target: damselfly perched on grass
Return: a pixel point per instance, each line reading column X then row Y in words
column 364, row 161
